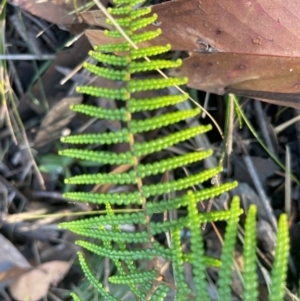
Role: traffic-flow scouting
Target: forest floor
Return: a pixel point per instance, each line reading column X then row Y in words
column 34, row 114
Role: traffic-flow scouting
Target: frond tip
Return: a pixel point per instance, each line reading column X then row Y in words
column 279, row 271
column 249, row 274
column 227, row 252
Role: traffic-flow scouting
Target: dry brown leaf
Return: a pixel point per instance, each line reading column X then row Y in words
column 12, row 262
column 249, row 75
column 55, row 121
column 56, row 11
column 255, row 45
column 34, row 285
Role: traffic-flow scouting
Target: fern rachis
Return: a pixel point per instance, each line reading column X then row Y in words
column 121, row 62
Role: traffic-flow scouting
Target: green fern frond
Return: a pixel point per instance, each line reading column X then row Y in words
column 175, row 203
column 172, row 163
column 106, row 72
column 103, row 198
column 121, row 237
column 104, row 138
column 109, row 59
column 95, row 156
column 197, row 248
column 227, row 252
column 125, row 254
column 160, row 293
column 75, row 297
column 119, row 94
column 138, row 126
column 161, row 188
column 177, row 261
column 100, row 113
column 89, row 275
column 134, row 278
column 120, row 62
column 153, row 65
column 146, row 148
column 154, row 84
column 249, row 274
column 102, row 220
column 279, row 270
column 149, row 51
column 124, row 178
column 137, row 105
column 116, row 47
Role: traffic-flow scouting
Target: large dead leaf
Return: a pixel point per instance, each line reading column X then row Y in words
column 250, row 47
column 255, row 76
column 12, row 262
column 57, row 12
column 35, row 284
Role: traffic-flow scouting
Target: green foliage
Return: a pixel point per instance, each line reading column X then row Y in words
column 249, row 274
column 280, row 265
column 104, row 235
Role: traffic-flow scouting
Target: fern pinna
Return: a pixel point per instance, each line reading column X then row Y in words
column 121, row 62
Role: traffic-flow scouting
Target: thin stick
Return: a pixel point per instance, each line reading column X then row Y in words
column 287, row 182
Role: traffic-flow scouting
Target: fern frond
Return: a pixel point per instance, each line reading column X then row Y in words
column 154, row 83
column 102, row 220
column 125, row 46
column 131, row 2
column 145, row 36
column 182, row 222
column 75, row 297
column 208, row 261
column 103, row 198
column 153, row 65
column 142, row 22
column 134, row 278
column 125, row 254
column 146, row 148
column 106, row 72
column 104, row 138
column 137, row 105
column 138, row 126
column 279, row 271
column 161, row 188
column 89, row 275
column 95, row 156
column 172, row 163
column 149, row 51
column 110, row 59
column 227, row 252
column 121, row 237
column 160, row 293
column 207, row 193
column 120, row 62
column 177, row 261
column 104, row 178
column 249, row 274
column 197, row 248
